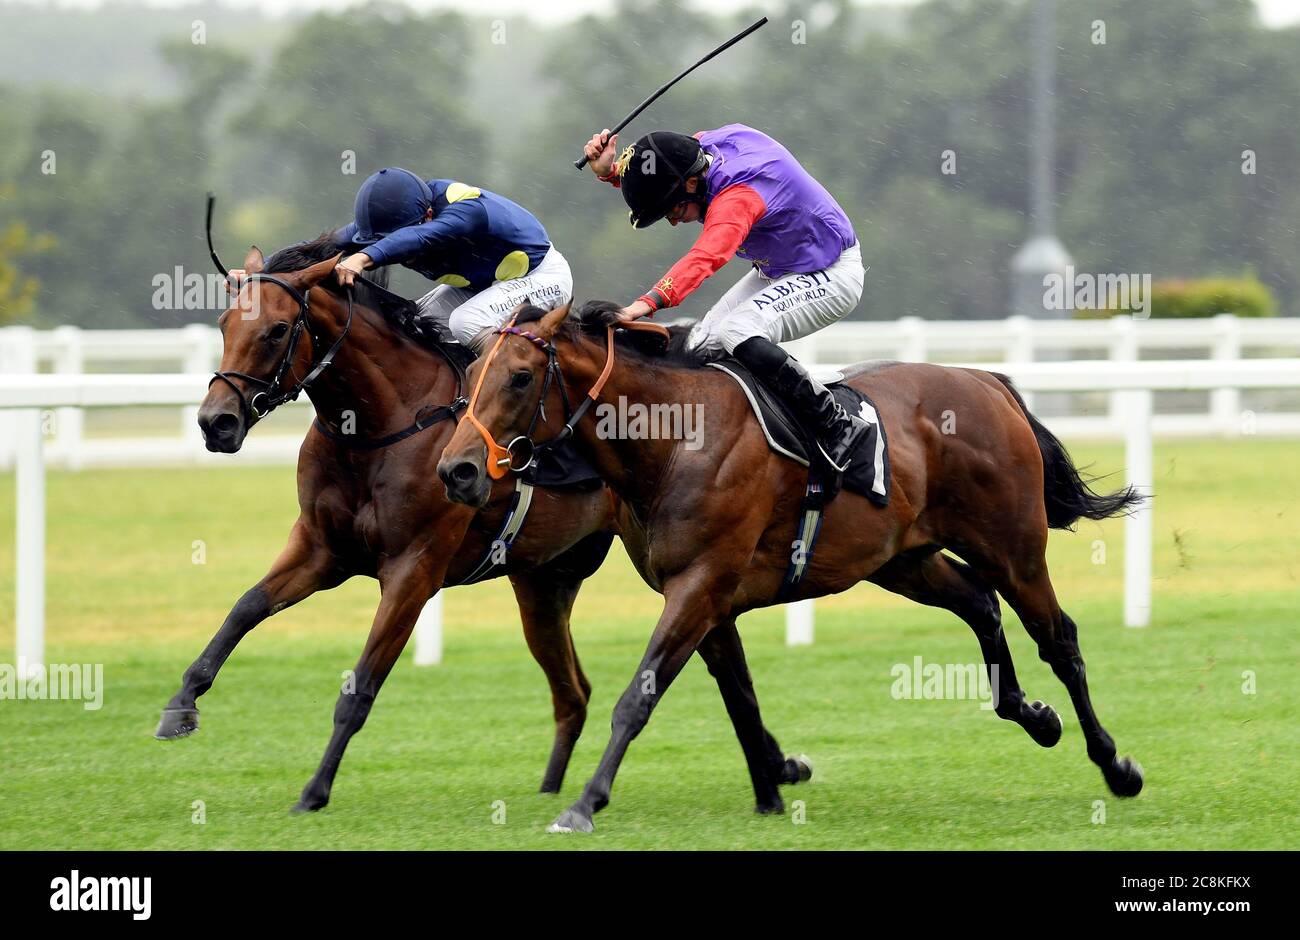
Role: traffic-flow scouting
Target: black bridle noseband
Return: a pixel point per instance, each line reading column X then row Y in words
column 270, row 395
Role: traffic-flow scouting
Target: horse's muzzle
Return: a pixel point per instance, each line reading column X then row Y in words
column 223, row 431
column 465, row 481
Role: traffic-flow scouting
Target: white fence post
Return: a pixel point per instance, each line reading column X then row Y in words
column 914, row 347
column 1020, row 347
column 69, row 359
column 1137, row 527
column 799, row 623
column 1123, row 348
column 17, row 355
column 428, row 633
column 30, row 588
column 1225, row 403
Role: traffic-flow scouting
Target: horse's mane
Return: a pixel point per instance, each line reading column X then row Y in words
column 592, row 319
column 370, row 290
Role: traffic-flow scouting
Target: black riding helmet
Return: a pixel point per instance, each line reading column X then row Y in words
column 653, row 174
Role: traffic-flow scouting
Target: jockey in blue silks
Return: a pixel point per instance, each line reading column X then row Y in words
column 485, row 253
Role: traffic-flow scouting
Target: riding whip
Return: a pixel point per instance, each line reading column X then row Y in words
column 579, row 164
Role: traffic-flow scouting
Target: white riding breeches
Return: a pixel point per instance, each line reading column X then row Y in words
column 467, row 313
column 782, row 308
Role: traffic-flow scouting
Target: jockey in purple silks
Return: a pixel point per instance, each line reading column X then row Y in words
column 759, row 204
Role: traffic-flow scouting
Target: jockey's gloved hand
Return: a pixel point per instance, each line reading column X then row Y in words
column 636, row 310
column 347, row 270
column 600, row 151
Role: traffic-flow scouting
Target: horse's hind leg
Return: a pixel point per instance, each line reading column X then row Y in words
column 544, row 608
column 546, row 595
column 1028, row 589
column 936, row 580
column 723, row 653
column 303, row 568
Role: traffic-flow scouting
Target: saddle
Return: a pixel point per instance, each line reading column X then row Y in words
column 868, row 473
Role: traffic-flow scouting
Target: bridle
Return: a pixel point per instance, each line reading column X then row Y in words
column 270, row 395
column 521, row 453
column 267, row 398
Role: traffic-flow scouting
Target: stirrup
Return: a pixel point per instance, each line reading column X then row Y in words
column 830, row 462
column 851, row 429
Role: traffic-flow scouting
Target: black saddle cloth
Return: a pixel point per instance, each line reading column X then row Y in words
column 562, row 467
column 868, row 472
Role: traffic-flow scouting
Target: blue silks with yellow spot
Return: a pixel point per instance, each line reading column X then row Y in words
column 474, row 238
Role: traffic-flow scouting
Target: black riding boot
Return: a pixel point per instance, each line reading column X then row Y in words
column 838, row 432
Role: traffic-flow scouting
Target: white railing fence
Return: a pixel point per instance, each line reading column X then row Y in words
column 24, row 399
column 25, row 402
column 197, row 349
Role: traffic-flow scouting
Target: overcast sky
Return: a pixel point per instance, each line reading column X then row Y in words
column 1274, row 12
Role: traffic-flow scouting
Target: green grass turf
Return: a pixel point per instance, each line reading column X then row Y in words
column 445, row 743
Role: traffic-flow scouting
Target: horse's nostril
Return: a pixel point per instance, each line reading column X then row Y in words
column 225, row 423
column 464, row 472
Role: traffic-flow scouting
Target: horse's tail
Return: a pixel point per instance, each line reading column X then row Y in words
column 1067, row 495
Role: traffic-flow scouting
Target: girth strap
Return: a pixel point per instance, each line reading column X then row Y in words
column 810, row 526
column 510, row 528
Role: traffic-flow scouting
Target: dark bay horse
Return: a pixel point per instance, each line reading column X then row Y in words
column 711, row 528
column 379, row 511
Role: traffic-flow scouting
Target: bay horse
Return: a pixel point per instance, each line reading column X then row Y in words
column 369, row 504
column 711, row 528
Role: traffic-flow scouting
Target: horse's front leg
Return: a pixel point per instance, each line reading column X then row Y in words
column 695, row 602
column 304, row 567
column 404, row 594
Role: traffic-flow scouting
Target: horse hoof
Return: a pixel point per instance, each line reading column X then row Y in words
column 803, row 766
column 770, row 809
column 1045, row 724
column 1125, row 777
column 309, row 804
column 571, row 820
column 177, row 723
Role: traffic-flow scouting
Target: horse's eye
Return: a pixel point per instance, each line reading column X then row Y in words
column 278, row 332
column 521, row 380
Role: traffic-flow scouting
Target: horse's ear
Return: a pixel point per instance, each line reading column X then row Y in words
column 549, row 324
column 308, row 278
column 253, row 261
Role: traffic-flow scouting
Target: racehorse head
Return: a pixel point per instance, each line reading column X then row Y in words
column 511, row 384
column 267, row 348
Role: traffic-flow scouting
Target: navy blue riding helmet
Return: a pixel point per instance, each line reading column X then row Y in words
column 389, row 200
